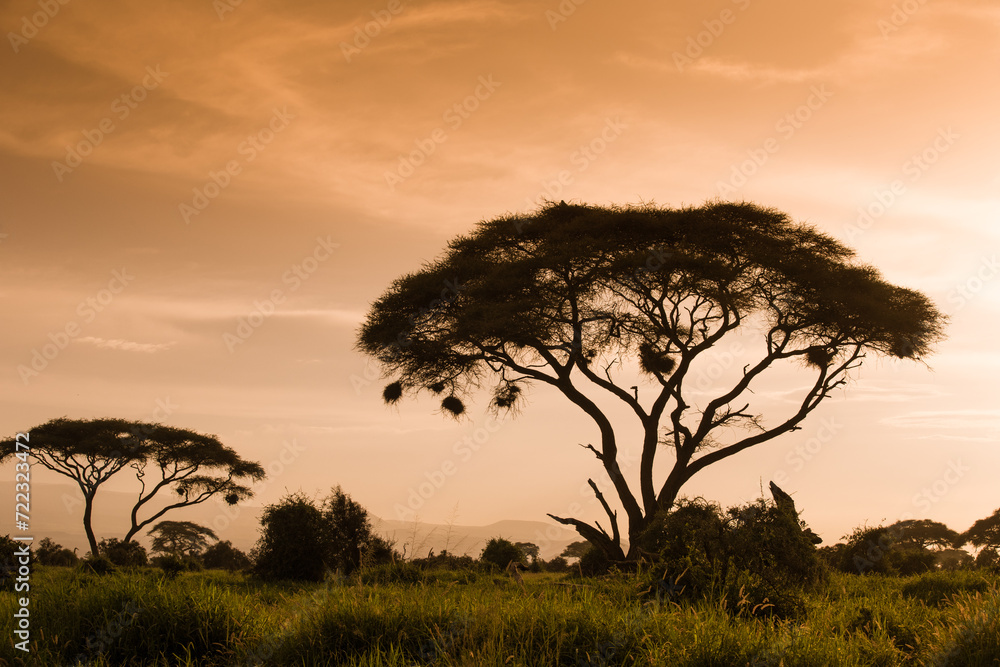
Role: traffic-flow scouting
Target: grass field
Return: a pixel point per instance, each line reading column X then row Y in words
column 454, row 618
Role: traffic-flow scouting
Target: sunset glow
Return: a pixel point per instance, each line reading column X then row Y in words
column 201, row 199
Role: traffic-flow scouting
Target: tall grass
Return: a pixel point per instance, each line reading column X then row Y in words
column 445, row 618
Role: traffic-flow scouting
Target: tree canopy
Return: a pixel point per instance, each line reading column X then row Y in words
column 984, row 533
column 924, row 533
column 563, row 296
column 195, row 467
column 180, row 538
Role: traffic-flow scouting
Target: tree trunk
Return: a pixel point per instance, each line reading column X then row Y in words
column 88, row 508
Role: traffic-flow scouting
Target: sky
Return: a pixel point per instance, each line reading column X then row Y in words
column 201, row 199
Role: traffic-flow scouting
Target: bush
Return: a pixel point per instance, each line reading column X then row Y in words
column 754, row 558
column 501, row 552
column 171, row 564
column 691, row 543
column 302, row 541
column 594, row 563
column 9, row 562
column 290, row 545
column 348, row 539
column 557, row 564
column 768, row 541
column 52, row 554
column 224, row 556
column 123, row 554
column 96, row 565
column 988, row 559
column 876, row 550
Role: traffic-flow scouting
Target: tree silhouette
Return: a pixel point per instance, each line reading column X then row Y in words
column 984, row 533
column 530, row 550
column 575, row 549
column 566, row 296
column 924, row 533
column 194, row 466
column 180, row 538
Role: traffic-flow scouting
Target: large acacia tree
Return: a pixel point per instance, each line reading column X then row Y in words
column 563, row 296
column 195, row 467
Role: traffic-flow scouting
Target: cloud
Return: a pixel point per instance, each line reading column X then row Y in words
column 125, row 345
column 977, row 420
column 895, row 394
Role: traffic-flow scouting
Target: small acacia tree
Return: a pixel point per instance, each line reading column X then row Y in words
column 984, row 534
column 195, row 467
column 564, row 296
column 180, row 538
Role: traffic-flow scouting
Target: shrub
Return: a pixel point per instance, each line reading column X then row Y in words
column 770, row 542
column 290, row 545
column 123, row 554
column 691, row 544
column 877, row 551
column 224, row 556
column 8, row 562
column 594, row 563
column 988, row 559
column 302, row 541
column 557, row 564
column 96, row 565
column 501, row 552
column 171, row 564
column 52, row 554
column 348, row 539
column 753, row 558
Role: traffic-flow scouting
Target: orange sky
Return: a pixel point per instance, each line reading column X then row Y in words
column 171, row 169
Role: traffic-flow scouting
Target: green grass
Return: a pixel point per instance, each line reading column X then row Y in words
column 448, row 618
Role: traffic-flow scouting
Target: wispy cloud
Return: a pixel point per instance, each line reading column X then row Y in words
column 125, row 345
column 977, row 420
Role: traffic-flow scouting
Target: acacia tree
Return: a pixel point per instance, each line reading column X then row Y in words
column 564, row 296
column 180, row 538
column 984, row 533
column 194, row 466
column 924, row 533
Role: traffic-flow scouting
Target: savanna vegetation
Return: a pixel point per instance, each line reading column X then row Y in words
column 558, row 299
column 738, row 586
